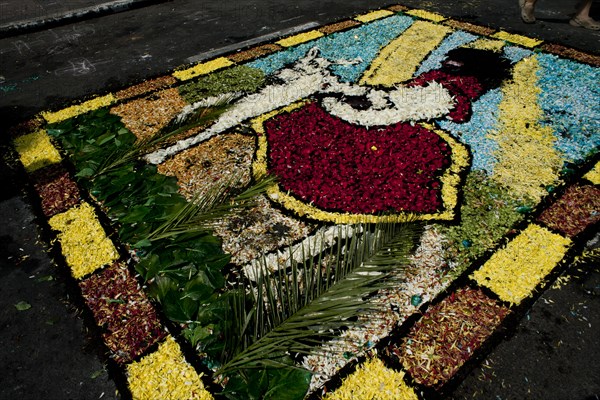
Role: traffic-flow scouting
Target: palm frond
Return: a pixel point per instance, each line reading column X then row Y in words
column 296, row 307
column 206, row 208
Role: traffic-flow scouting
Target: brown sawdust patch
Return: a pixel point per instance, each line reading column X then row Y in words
column 146, row 87
column 147, row 116
column 254, row 52
column 220, row 157
column 339, row 26
column 448, row 335
column 577, row 209
column 466, row 26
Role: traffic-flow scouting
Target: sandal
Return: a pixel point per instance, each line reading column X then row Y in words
column 585, row 23
column 526, row 13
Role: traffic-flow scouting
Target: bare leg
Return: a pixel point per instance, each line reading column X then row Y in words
column 582, row 17
column 528, row 10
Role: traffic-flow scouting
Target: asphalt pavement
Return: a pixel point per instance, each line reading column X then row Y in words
column 53, row 53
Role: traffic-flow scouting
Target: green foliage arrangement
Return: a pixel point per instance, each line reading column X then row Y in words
column 239, row 79
column 248, row 331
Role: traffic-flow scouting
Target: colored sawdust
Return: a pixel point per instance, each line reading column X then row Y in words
column 580, row 203
column 219, row 158
column 57, row 191
column 448, row 335
column 121, row 307
column 145, row 87
column 147, row 116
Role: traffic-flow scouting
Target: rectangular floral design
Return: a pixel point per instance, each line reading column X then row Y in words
column 580, row 203
column 57, row 191
column 373, row 380
column 171, row 162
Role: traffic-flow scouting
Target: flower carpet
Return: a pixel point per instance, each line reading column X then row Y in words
column 208, row 257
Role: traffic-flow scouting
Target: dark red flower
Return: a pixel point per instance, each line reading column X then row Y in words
column 338, row 166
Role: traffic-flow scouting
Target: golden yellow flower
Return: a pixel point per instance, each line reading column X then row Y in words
column 84, row 243
column 514, row 271
column 426, row 15
column 165, row 375
column 300, row 38
column 372, row 16
column 517, row 39
column 372, row 380
column 594, row 174
column 36, row 151
column 73, row 111
column 202, row 68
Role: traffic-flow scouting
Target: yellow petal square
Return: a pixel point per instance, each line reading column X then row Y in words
column 426, row 15
column 517, row 39
column 36, row 151
column 84, row 243
column 373, row 380
column 165, row 375
column 514, row 271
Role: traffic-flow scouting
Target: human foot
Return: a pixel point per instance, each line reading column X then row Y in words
column 587, row 23
column 527, row 10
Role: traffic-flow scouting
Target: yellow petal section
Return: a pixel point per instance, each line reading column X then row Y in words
column 426, row 15
column 514, row 271
column 517, row 39
column 594, row 174
column 36, row 151
column 528, row 162
column 84, row 243
column 165, row 375
column 487, row 44
column 73, row 111
column 372, row 16
column 300, row 38
column 372, row 380
column 398, row 61
column 203, row 68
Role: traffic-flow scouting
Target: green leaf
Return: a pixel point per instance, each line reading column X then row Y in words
column 283, row 383
column 107, row 137
column 22, row 306
column 196, row 334
column 142, row 243
column 178, row 309
column 197, row 290
column 85, row 173
column 97, row 374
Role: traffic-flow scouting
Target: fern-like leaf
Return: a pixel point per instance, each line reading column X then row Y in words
column 289, row 319
column 198, row 215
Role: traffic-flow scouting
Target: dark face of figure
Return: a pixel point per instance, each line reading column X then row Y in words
column 489, row 67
